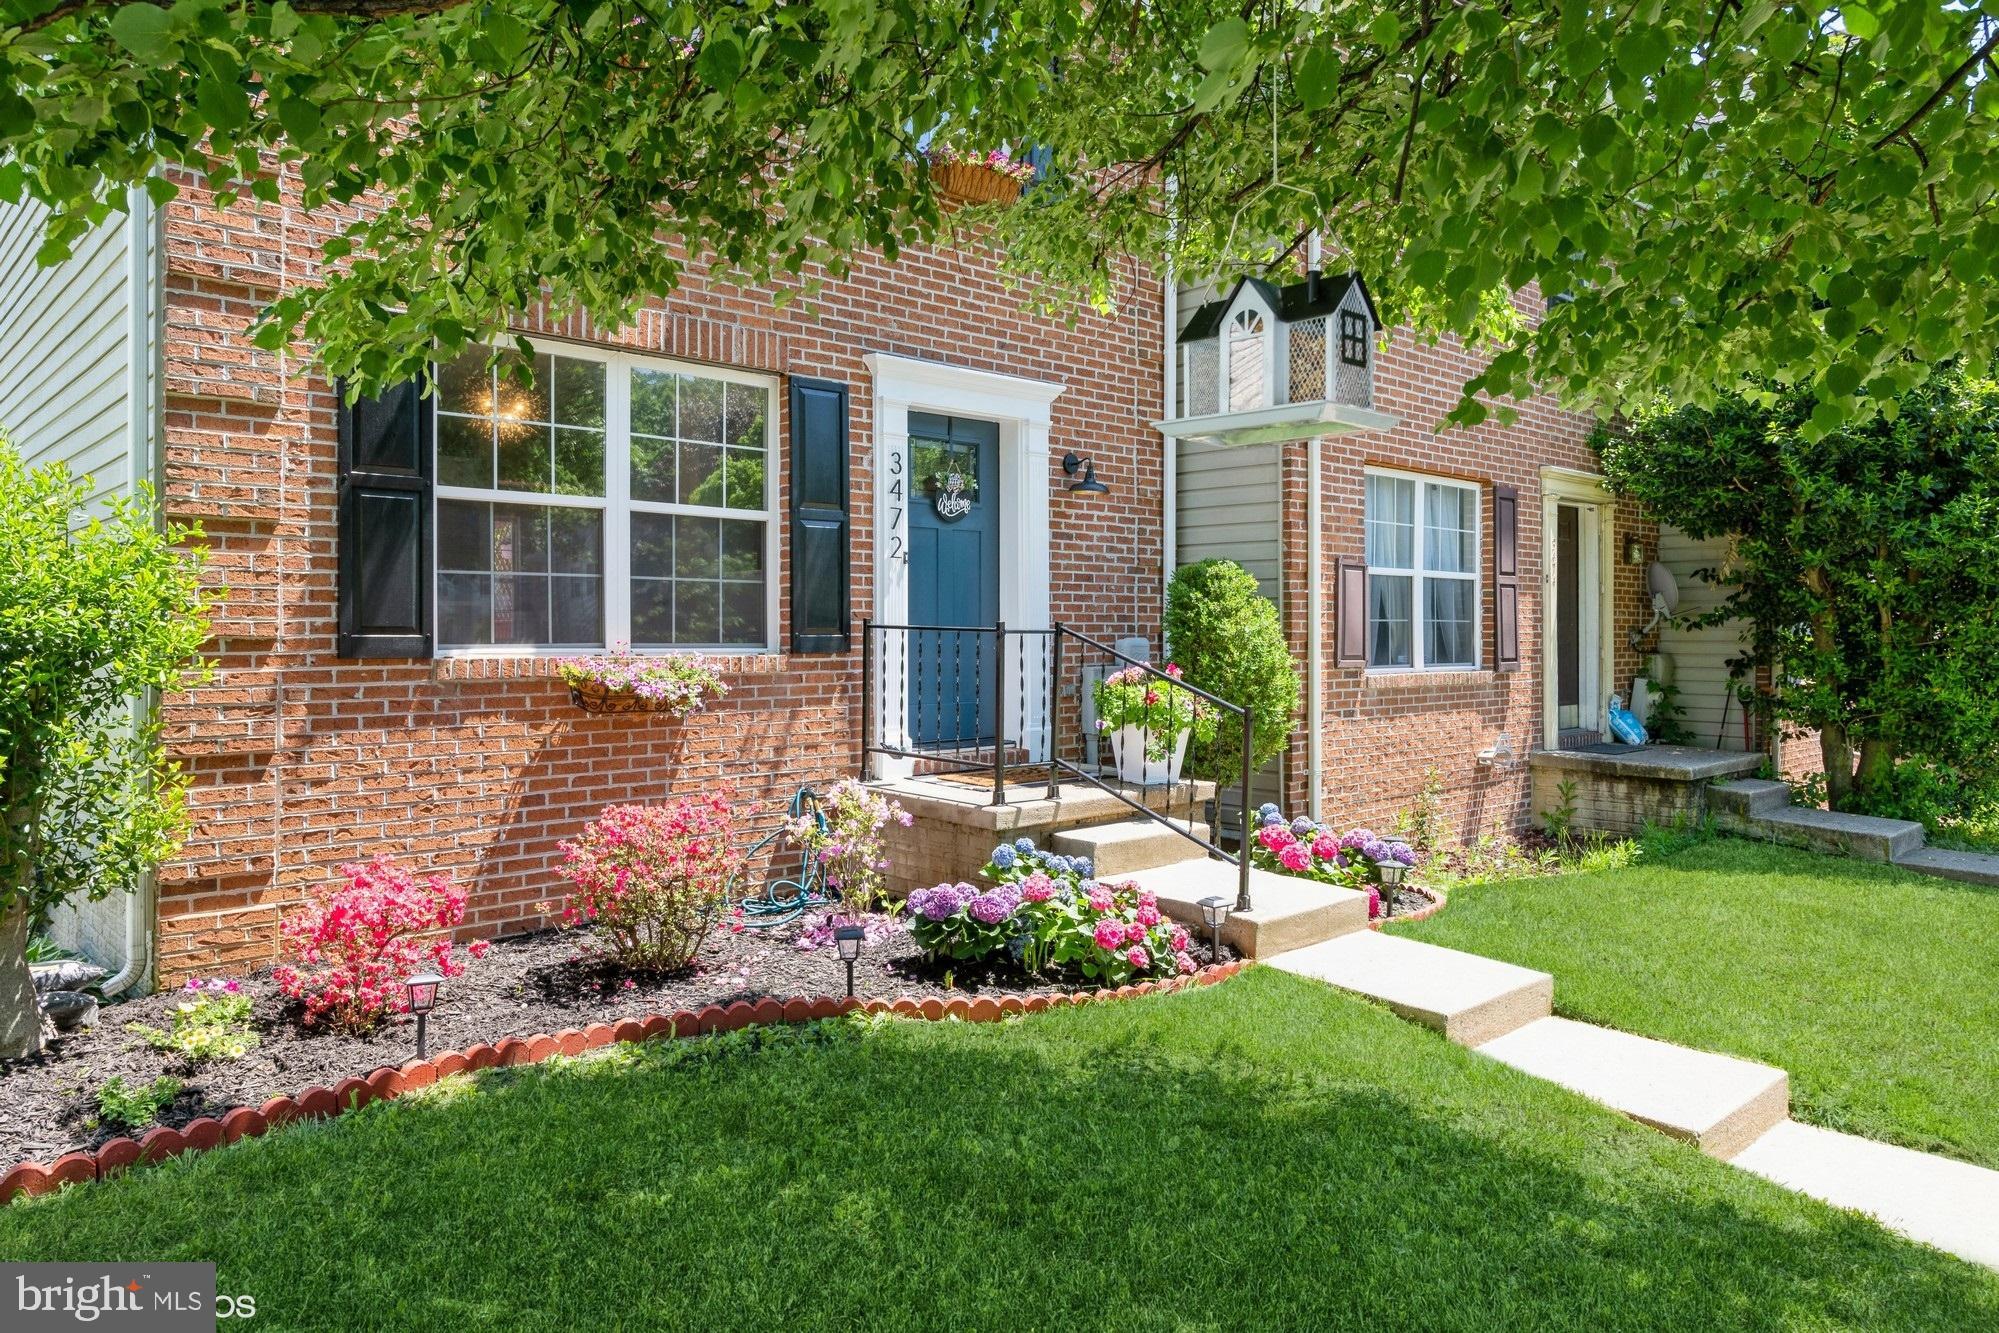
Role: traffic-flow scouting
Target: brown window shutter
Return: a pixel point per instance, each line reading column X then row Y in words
column 1505, row 578
column 1350, row 643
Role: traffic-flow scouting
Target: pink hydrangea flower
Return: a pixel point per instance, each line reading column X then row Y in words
column 1294, row 856
column 1109, row 935
column 1325, row 847
column 1148, row 916
column 1183, row 963
column 1275, row 837
column 1099, row 899
column 1134, row 933
column 1138, row 957
column 1178, row 939
column 1037, row 887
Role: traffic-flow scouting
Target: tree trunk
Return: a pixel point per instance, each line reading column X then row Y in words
column 1837, row 754
column 1876, row 777
column 20, row 1016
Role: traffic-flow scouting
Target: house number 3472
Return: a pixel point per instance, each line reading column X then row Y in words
column 898, row 508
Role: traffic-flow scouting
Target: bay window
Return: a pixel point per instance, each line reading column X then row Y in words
column 1422, row 573
column 619, row 499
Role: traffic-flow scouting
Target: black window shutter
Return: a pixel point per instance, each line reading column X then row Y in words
column 384, row 547
column 1350, row 636
column 1505, row 578
column 821, row 590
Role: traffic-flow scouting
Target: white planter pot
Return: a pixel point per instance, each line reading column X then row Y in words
column 1128, row 748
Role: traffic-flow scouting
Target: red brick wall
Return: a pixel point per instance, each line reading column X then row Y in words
column 301, row 761
column 1382, row 734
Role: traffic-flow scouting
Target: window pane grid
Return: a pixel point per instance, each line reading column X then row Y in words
column 1423, row 603
column 692, row 461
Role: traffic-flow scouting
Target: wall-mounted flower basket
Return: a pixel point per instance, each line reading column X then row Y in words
column 975, row 183
column 675, row 684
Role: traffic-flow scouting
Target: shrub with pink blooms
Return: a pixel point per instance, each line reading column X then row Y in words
column 356, row 941
column 1314, row 851
column 652, row 879
column 844, row 834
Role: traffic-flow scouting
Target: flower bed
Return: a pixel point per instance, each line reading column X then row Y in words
column 540, row 982
column 1349, row 860
column 386, row 1081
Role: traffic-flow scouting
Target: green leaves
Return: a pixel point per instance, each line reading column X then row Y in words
column 1224, row 45
column 1318, row 76
column 144, row 30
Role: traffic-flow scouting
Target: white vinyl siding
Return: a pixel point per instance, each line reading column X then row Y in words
column 1229, row 508
column 1700, row 656
column 68, row 358
column 79, row 385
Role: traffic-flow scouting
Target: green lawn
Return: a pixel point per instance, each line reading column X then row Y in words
column 1262, row 1154
column 1877, row 989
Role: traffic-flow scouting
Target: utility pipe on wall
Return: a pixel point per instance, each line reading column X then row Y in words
column 1314, row 621
column 1169, row 518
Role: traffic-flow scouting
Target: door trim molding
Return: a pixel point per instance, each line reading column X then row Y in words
column 1024, row 410
column 1559, row 486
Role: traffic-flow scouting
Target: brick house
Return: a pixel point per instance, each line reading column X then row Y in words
column 757, row 483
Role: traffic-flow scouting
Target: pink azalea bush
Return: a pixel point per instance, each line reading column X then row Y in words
column 1044, row 913
column 845, row 836
column 354, row 943
column 652, row 879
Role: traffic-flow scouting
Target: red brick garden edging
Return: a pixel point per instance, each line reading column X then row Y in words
column 390, row 1081
column 1438, row 898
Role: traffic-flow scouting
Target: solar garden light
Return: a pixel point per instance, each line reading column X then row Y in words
column 1214, row 911
column 423, row 999
column 1391, row 872
column 848, row 939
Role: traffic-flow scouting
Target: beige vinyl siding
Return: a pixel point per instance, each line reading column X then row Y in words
column 1229, row 508
column 1700, row 656
column 78, row 384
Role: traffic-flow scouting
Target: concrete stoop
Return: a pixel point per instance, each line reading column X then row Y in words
column 1716, row 1102
column 1467, row 998
column 1967, row 867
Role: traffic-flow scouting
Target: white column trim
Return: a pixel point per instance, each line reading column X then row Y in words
column 1023, row 408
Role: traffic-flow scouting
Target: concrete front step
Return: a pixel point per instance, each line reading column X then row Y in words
column 1748, row 796
column 1949, row 1204
column 1132, row 845
column 1286, row 912
column 1716, row 1102
column 1863, row 836
column 1970, row 867
column 1467, row 998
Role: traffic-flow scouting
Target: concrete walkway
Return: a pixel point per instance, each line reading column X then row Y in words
column 1732, row 1109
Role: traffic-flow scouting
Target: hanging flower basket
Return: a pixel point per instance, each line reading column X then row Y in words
column 675, row 684
column 990, row 178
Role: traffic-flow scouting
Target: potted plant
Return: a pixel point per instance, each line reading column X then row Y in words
column 994, row 177
column 672, row 683
column 1148, row 721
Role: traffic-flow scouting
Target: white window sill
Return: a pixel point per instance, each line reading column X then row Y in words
column 1417, row 678
column 533, row 664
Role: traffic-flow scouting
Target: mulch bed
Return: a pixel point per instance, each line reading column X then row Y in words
column 526, row 984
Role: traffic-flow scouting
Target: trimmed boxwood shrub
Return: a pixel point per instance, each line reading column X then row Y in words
column 1226, row 637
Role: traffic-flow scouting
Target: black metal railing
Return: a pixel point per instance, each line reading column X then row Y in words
column 1086, row 660
column 1018, row 704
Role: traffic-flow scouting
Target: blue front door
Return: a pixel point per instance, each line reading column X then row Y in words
column 953, row 578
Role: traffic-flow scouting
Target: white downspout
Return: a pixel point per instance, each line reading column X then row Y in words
column 142, row 465
column 1315, row 633
column 1169, row 557
column 1315, row 630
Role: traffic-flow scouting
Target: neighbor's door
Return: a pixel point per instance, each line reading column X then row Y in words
column 1578, row 595
column 953, row 577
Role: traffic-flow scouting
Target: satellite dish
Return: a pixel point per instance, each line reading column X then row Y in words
column 1665, row 590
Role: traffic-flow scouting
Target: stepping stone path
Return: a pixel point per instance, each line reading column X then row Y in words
column 1761, row 808
column 1732, row 1109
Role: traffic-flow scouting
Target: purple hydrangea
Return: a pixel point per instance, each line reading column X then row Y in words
column 1301, row 827
column 995, row 904
column 941, row 902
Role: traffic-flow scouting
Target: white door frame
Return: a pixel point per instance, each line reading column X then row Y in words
column 1023, row 409
column 1560, row 486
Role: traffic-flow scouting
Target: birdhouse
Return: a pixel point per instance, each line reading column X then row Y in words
column 1270, row 363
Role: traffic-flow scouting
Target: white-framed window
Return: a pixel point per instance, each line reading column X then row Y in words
column 1423, row 542
column 620, row 499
